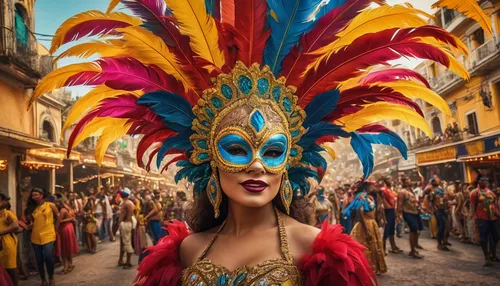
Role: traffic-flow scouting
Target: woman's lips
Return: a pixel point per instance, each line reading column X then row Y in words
column 254, row 186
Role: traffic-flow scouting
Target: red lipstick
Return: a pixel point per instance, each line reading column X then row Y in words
column 254, row 186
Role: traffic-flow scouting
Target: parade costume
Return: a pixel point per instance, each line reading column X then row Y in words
column 196, row 78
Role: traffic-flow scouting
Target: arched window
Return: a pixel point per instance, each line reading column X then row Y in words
column 436, row 126
column 48, row 131
column 21, row 27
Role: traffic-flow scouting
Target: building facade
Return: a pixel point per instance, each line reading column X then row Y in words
column 468, row 142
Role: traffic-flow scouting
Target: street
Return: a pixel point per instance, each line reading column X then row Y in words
column 461, row 266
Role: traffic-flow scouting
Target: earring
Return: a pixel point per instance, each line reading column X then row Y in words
column 214, row 192
column 286, row 192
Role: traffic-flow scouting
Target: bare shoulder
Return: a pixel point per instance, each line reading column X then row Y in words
column 194, row 245
column 300, row 236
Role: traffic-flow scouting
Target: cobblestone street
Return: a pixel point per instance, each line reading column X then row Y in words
column 461, row 266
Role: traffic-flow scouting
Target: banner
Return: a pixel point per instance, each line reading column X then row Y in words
column 446, row 153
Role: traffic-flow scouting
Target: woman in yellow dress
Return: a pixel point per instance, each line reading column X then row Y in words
column 44, row 216
column 8, row 239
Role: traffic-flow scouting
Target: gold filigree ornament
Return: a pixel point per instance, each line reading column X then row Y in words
column 254, row 89
column 286, row 192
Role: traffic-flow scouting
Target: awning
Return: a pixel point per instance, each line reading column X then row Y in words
column 489, row 156
column 35, row 162
column 442, row 155
column 437, row 162
column 20, row 140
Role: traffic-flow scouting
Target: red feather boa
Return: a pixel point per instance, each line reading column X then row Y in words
column 337, row 259
column 163, row 265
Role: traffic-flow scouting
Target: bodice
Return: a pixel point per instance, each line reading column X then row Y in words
column 279, row 271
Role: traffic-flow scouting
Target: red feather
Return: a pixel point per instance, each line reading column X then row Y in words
column 374, row 128
column 393, row 74
column 163, row 265
column 159, row 135
column 336, row 259
column 250, row 33
column 361, row 95
column 228, row 12
column 323, row 33
column 325, row 139
column 174, row 160
column 93, row 28
column 368, row 50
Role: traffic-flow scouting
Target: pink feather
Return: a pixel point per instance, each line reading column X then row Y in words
column 374, row 128
column 92, row 28
column 393, row 74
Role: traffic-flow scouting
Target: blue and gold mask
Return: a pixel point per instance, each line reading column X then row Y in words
column 248, row 116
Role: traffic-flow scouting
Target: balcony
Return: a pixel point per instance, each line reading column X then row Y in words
column 19, row 58
column 483, row 57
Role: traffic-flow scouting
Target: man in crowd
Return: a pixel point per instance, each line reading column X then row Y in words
column 438, row 205
column 407, row 207
column 126, row 228
column 484, row 208
column 154, row 216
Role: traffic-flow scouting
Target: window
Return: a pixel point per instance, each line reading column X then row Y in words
column 21, row 28
column 479, row 37
column 449, row 15
column 48, row 131
column 436, row 126
column 473, row 128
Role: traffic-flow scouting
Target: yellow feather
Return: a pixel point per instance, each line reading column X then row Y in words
column 379, row 111
column 372, row 21
column 414, row 90
column 61, row 32
column 89, row 101
column 455, row 65
column 149, row 49
column 112, row 5
column 119, row 129
column 57, row 78
column 470, row 8
column 354, row 81
column 194, row 22
column 94, row 129
column 108, row 48
column 330, row 151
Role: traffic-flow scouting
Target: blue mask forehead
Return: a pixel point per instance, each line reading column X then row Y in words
column 234, row 149
column 274, row 150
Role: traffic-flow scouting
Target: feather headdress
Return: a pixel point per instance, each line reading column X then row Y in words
column 169, row 54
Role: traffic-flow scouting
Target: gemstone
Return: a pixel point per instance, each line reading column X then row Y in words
column 216, row 102
column 276, row 93
column 296, row 133
column 294, row 152
column 192, row 278
column 257, row 121
column 262, row 85
column 202, row 156
column 202, row 144
column 226, row 91
column 245, row 84
column 209, row 113
column 287, row 104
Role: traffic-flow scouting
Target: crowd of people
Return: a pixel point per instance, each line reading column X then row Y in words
column 55, row 227
column 374, row 212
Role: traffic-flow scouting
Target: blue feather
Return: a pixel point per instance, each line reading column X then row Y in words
column 209, row 4
column 364, row 150
column 321, row 106
column 329, row 5
column 294, row 18
column 298, row 177
column 175, row 110
column 314, row 159
column 179, row 142
column 319, row 130
column 390, row 139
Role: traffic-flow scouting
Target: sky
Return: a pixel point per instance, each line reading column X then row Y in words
column 50, row 14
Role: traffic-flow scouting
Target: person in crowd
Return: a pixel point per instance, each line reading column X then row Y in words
column 126, row 228
column 485, row 210
column 75, row 203
column 426, row 207
column 418, row 191
column 99, row 213
column 471, row 229
column 324, row 208
column 154, row 217
column 365, row 231
column 90, row 225
column 438, row 204
column 45, row 220
column 69, row 243
column 8, row 239
column 407, row 207
column 458, row 212
column 389, row 201
column 180, row 205
column 333, row 198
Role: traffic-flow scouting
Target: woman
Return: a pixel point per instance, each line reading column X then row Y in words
column 366, row 231
column 389, row 201
column 8, row 239
column 471, row 226
column 245, row 125
column 69, row 243
column 324, row 208
column 90, row 225
column 45, row 220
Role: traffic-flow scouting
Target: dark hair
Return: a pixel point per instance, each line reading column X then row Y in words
column 200, row 213
column 31, row 204
column 387, row 182
column 4, row 197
